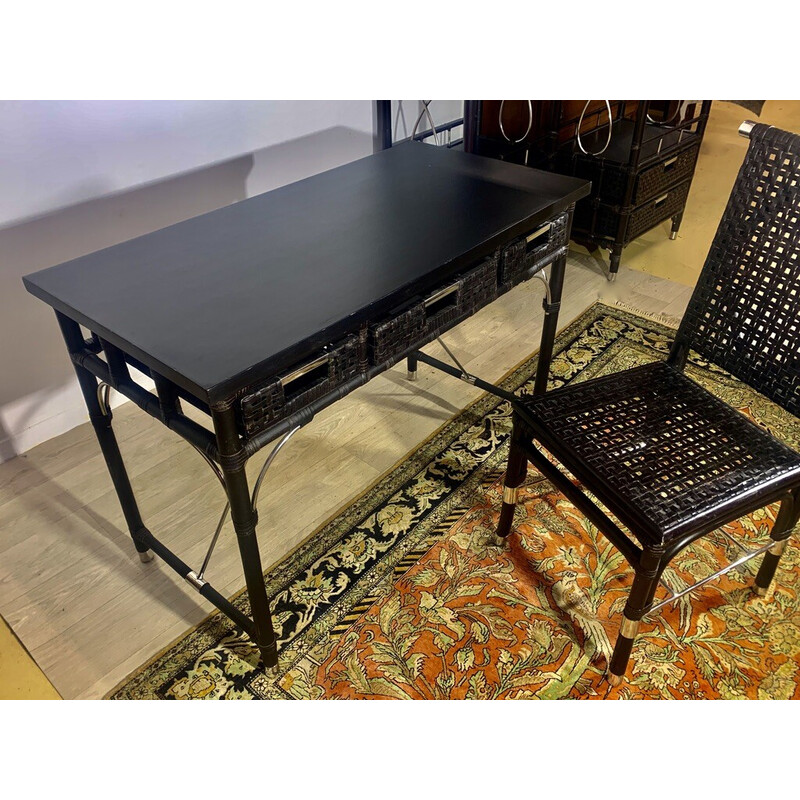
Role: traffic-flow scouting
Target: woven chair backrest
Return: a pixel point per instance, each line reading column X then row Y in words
column 744, row 315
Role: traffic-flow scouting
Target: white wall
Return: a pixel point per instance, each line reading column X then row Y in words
column 79, row 176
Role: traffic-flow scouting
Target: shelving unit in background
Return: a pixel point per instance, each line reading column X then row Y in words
column 639, row 180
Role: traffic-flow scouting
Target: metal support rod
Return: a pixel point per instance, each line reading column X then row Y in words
column 206, row 589
column 465, row 376
column 222, row 517
column 739, row 561
column 475, row 381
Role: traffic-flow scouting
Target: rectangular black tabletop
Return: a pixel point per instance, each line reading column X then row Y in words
column 222, row 300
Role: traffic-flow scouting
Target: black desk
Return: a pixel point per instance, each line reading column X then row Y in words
column 296, row 286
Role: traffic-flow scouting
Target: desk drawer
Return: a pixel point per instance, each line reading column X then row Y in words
column 524, row 256
column 302, row 384
column 422, row 320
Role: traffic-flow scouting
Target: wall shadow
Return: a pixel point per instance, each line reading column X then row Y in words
column 33, row 364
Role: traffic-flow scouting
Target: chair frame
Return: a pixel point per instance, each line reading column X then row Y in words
column 648, row 560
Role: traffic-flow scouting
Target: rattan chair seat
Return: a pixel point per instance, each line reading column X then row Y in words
column 660, row 451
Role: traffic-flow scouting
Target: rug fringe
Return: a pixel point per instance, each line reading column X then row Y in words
column 665, row 319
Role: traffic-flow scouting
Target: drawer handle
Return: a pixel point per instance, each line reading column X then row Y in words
column 668, row 164
column 539, row 233
column 304, row 370
column 436, row 296
column 657, row 202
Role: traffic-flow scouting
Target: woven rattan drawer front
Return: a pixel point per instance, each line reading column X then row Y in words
column 422, row 320
column 524, row 256
column 609, row 180
column 301, row 385
column 642, row 219
column 655, row 180
column 657, row 210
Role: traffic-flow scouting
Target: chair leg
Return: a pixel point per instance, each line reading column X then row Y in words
column 787, row 519
column 644, row 587
column 515, row 474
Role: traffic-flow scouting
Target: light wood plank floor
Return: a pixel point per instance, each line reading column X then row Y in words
column 71, row 585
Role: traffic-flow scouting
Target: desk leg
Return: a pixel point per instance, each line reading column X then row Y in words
column 105, row 436
column 244, row 520
column 550, row 327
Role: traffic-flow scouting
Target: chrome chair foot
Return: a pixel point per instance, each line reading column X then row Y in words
column 760, row 590
column 612, row 276
column 273, row 672
column 614, row 680
column 412, row 375
column 146, row 557
column 673, row 235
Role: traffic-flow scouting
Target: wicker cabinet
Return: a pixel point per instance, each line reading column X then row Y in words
column 640, row 156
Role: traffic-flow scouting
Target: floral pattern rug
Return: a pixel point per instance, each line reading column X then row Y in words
column 407, row 593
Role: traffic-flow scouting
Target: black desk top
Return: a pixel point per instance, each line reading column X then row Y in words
column 227, row 298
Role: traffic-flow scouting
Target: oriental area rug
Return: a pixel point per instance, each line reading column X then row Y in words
column 407, row 593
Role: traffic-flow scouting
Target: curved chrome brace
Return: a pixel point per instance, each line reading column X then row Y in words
column 103, row 393
column 268, row 462
column 254, row 499
column 214, row 468
column 542, row 276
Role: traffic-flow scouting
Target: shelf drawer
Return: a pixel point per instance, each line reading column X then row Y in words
column 528, row 254
column 657, row 210
column 609, row 179
column 603, row 221
column 655, row 180
column 302, row 384
column 423, row 319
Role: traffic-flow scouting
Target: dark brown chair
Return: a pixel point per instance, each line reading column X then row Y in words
column 668, row 459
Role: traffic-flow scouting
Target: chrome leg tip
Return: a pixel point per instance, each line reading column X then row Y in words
column 760, row 590
column 673, row 235
column 412, row 375
column 612, row 276
column 614, row 680
column 146, row 557
column 273, row 672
